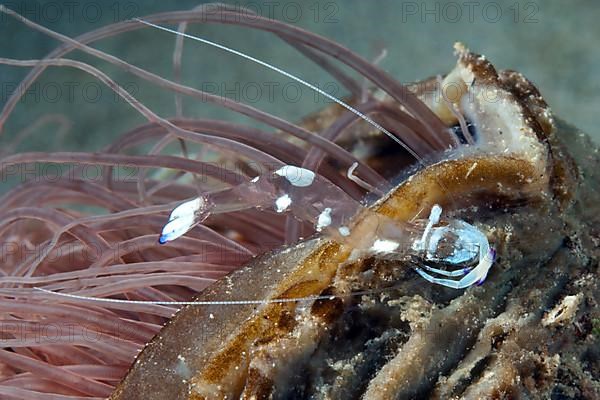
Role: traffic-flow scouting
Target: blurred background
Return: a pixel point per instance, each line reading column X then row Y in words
column 554, row 43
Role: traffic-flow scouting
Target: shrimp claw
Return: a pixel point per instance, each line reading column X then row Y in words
column 467, row 238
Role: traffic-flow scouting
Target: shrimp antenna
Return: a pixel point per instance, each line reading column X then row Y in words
column 291, row 76
column 215, row 302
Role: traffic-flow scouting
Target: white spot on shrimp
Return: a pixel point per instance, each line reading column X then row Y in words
column 324, row 219
column 255, row 179
column 384, row 246
column 436, row 213
column 344, row 230
column 300, row 177
column 282, row 203
column 187, row 208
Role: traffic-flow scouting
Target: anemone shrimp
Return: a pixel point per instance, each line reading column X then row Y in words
column 481, row 158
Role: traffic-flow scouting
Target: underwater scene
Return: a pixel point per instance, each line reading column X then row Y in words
column 299, row 200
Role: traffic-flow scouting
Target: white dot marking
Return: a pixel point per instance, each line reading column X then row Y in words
column 324, row 219
column 282, row 203
column 300, row 177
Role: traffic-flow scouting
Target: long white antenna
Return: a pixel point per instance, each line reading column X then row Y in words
column 209, row 303
column 288, row 75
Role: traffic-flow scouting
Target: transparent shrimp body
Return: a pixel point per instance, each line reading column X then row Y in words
column 289, row 189
column 311, row 198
